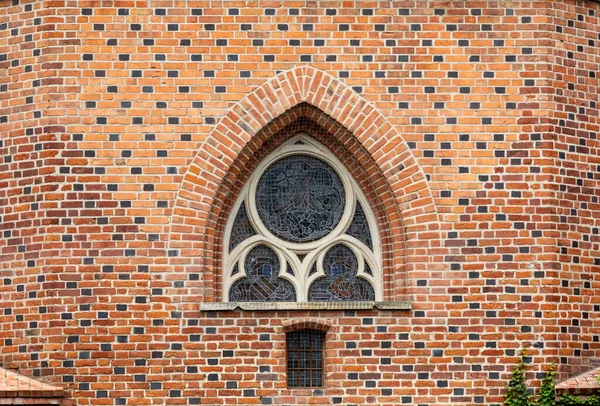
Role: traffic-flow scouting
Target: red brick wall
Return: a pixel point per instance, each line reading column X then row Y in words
column 574, row 77
column 126, row 128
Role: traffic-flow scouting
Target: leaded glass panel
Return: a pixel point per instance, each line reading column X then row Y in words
column 359, row 228
column 340, row 282
column 302, row 205
column 305, row 358
column 242, row 228
column 300, row 198
column 262, row 282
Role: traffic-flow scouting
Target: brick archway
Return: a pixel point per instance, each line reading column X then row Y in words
column 193, row 238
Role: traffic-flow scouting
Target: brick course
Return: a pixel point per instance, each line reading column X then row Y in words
column 127, row 128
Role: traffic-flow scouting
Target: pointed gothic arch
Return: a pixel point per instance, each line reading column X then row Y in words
column 350, row 127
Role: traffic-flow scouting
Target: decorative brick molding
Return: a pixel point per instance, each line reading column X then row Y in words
column 354, row 124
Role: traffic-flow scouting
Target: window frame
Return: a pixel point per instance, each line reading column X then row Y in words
column 287, row 252
column 310, row 331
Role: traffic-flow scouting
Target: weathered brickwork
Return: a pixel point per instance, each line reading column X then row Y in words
column 574, row 78
column 127, row 128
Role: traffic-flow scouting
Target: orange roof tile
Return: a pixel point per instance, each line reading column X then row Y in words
column 583, row 383
column 15, row 385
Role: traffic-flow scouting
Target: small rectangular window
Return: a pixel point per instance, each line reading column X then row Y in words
column 305, row 349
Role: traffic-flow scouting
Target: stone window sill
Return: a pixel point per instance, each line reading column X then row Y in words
column 270, row 306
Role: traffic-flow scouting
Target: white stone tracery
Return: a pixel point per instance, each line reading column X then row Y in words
column 289, row 253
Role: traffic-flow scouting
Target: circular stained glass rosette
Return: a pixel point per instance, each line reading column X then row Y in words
column 300, row 198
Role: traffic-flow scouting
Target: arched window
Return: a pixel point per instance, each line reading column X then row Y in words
column 301, row 230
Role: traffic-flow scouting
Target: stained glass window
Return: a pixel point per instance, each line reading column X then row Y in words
column 359, row 228
column 242, row 228
column 305, row 358
column 340, row 282
column 262, row 282
column 298, row 206
column 300, row 198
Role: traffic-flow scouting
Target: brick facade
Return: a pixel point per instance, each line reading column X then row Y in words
column 128, row 127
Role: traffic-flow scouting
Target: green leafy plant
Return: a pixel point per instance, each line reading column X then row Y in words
column 574, row 400
column 517, row 393
column 547, row 394
column 579, row 400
